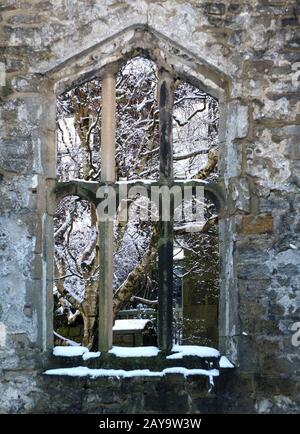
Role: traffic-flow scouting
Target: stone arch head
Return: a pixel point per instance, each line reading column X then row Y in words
column 142, row 41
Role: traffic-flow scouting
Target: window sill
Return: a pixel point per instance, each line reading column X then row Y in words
column 127, row 362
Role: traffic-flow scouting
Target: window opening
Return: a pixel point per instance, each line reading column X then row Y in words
column 142, row 127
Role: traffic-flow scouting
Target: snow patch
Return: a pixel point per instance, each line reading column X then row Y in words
column 134, row 351
column 194, row 181
column 69, row 351
column 91, row 355
column 135, row 181
column 130, row 324
column 190, row 227
column 225, row 363
column 178, row 254
column 81, row 371
column 192, row 350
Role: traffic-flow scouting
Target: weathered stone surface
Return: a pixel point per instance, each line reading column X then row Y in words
column 16, row 155
column 240, row 193
column 260, row 224
column 247, row 55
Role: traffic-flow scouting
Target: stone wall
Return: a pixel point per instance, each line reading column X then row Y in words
column 247, row 53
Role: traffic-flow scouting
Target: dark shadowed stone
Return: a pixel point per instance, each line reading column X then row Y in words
column 288, row 269
column 234, row 8
column 164, row 398
column 16, row 154
column 251, row 270
column 215, row 8
column 292, row 21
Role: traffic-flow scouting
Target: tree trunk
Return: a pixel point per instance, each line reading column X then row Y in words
column 89, row 313
column 128, row 287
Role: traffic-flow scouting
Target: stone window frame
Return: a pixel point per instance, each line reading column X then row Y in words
column 190, row 68
column 88, row 191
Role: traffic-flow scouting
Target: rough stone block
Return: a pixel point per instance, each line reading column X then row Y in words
column 291, row 21
column 234, row 8
column 256, row 225
column 253, row 67
column 16, row 154
column 295, row 151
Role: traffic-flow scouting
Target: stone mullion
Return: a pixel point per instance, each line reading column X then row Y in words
column 105, row 228
column 165, row 243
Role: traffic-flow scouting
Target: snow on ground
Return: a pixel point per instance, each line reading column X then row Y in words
column 225, row 363
column 69, row 351
column 81, row 371
column 192, row 350
column 130, row 324
column 134, row 351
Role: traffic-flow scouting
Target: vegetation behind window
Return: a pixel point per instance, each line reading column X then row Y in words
column 195, row 133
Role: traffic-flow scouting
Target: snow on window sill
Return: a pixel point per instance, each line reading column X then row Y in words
column 209, row 368
column 225, row 363
column 82, row 371
column 179, row 351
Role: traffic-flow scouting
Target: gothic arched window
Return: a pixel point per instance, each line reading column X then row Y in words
column 107, row 158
